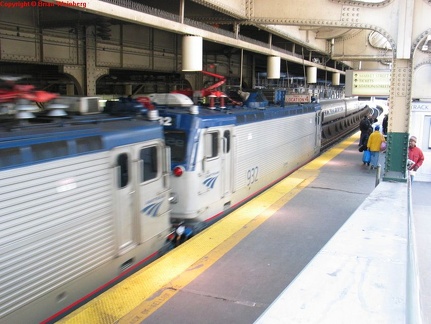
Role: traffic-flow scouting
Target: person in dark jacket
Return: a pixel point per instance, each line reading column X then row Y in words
column 367, row 135
column 385, row 125
column 364, row 125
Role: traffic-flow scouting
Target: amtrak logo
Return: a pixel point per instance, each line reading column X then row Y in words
column 152, row 209
column 210, row 181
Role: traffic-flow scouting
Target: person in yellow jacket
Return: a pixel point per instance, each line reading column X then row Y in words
column 374, row 143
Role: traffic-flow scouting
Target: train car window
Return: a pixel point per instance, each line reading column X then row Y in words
column 149, row 163
column 88, row 144
column 211, row 145
column 10, row 156
column 226, row 135
column 240, row 119
column 260, row 116
column 123, row 165
column 50, row 150
column 177, row 142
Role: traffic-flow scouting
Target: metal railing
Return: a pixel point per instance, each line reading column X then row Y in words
column 413, row 308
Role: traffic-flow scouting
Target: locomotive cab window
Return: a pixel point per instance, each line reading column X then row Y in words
column 211, row 145
column 149, row 163
column 123, row 169
column 176, row 140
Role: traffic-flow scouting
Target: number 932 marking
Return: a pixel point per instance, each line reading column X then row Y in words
column 252, row 175
column 165, row 121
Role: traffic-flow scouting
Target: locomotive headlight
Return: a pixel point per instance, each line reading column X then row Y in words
column 178, row 171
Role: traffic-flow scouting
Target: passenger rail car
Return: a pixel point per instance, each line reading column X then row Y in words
column 83, row 200
column 221, row 158
column 340, row 116
column 334, row 109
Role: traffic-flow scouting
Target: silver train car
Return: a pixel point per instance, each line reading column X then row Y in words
column 223, row 157
column 335, row 109
column 341, row 115
column 84, row 201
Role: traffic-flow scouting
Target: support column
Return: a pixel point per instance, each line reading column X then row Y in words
column 92, row 72
column 128, row 90
column 70, row 89
column 236, row 30
column 400, row 98
column 90, row 60
column 77, row 73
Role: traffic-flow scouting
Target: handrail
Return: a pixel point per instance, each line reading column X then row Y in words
column 413, row 308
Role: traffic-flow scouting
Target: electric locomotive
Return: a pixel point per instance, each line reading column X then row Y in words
column 84, row 200
column 221, row 157
column 220, row 152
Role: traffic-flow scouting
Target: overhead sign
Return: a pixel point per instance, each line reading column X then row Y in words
column 297, row 98
column 424, row 106
column 368, row 82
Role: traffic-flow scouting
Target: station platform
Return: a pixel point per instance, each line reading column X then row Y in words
column 324, row 245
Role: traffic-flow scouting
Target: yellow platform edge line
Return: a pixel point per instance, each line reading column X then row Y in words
column 331, row 153
column 149, row 306
column 183, row 264
column 124, row 297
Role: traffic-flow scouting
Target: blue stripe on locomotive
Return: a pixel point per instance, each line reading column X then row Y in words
column 192, row 125
column 109, row 133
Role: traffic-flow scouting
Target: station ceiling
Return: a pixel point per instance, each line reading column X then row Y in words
column 199, row 11
column 204, row 13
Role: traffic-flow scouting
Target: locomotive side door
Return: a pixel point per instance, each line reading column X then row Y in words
column 217, row 163
column 211, row 182
column 152, row 190
column 124, row 192
column 318, row 127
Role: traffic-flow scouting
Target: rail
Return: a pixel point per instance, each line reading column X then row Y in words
column 413, row 309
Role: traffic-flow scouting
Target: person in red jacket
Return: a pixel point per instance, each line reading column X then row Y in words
column 416, row 157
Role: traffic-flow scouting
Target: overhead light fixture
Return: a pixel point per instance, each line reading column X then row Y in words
column 273, row 67
column 192, row 53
